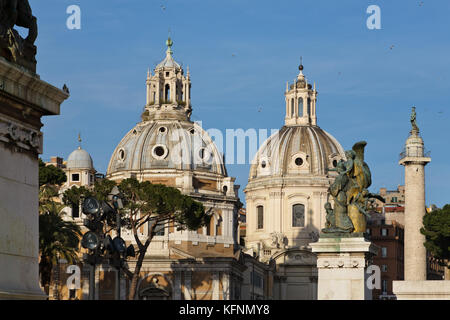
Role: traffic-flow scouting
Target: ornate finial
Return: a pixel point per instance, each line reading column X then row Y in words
column 169, row 44
column 415, row 128
column 300, row 67
column 79, row 141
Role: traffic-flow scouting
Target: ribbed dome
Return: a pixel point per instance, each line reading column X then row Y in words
column 80, row 159
column 160, row 144
column 168, row 62
column 294, row 150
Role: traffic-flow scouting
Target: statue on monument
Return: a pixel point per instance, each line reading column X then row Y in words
column 350, row 194
column 415, row 128
column 12, row 46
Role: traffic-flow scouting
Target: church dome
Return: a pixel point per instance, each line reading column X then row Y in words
column 79, row 159
column 294, row 150
column 166, row 144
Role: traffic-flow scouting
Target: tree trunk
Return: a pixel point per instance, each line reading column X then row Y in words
column 137, row 271
column 45, row 269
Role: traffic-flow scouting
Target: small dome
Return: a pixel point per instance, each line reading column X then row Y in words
column 168, row 61
column 80, row 159
column 294, row 150
column 170, row 145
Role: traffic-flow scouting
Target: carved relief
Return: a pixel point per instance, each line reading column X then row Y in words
column 341, row 262
column 21, row 137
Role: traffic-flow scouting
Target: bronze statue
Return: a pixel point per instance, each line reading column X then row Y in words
column 12, row 46
column 337, row 218
column 415, row 128
column 350, row 194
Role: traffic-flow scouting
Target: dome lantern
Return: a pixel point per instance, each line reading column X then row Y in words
column 300, row 101
column 168, row 90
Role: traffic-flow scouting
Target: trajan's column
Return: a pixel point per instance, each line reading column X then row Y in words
column 414, row 159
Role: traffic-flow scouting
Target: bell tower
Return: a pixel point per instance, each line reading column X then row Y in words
column 168, row 90
column 301, row 100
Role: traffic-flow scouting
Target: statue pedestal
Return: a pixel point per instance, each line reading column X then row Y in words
column 422, row 290
column 24, row 99
column 341, row 264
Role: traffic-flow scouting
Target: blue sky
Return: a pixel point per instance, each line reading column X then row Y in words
column 240, row 54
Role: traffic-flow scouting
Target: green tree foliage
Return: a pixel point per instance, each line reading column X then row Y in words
column 58, row 239
column 50, row 175
column 145, row 203
column 436, row 228
column 156, row 204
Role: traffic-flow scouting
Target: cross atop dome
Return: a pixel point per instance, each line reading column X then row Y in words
column 79, row 141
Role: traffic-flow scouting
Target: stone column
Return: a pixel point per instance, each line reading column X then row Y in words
column 415, row 252
column 226, row 286
column 24, row 99
column 187, row 285
column 341, row 263
column 177, row 286
column 215, row 285
column 415, row 285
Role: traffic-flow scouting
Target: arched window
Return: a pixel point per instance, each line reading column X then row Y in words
column 298, row 215
column 300, row 107
column 260, row 211
column 167, row 93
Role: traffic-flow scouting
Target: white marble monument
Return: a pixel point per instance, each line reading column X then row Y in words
column 24, row 99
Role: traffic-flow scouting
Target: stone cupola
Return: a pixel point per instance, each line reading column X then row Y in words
column 301, row 100
column 168, row 90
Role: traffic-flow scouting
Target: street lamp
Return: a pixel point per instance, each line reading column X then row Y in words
column 100, row 244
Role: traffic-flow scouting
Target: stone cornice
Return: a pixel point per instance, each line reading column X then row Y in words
column 29, row 89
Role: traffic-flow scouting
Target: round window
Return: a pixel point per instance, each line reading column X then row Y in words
column 162, row 130
column 204, row 154
column 299, row 161
column 263, row 164
column 192, row 131
column 335, row 163
column 159, row 152
column 225, row 189
column 121, row 154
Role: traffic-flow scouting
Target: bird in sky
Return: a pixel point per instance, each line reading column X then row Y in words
column 163, row 7
column 66, row 89
column 391, row 47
